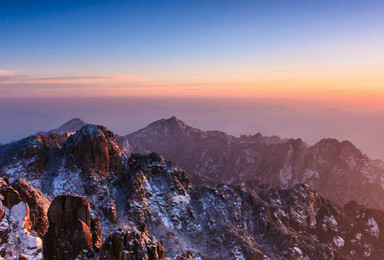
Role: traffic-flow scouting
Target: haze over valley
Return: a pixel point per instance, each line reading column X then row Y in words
column 309, row 120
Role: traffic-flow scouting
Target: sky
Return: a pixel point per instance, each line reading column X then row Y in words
column 305, row 55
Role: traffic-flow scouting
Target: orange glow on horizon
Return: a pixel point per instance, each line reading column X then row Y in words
column 359, row 86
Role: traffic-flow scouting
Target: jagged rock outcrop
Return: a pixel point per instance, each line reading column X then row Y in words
column 29, row 158
column 38, row 203
column 147, row 170
column 16, row 239
column 250, row 220
column 72, row 230
column 95, row 150
column 337, row 170
column 84, row 163
column 321, row 222
column 133, row 244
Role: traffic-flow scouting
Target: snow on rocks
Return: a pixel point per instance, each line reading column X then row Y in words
column 236, row 220
column 373, row 227
column 15, row 229
column 337, row 170
column 132, row 244
column 339, row 242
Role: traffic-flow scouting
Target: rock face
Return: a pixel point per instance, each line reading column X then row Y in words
column 30, row 157
column 16, row 239
column 132, row 245
column 38, row 203
column 337, row 170
column 23, row 220
column 71, row 229
column 247, row 220
column 84, row 163
column 95, row 148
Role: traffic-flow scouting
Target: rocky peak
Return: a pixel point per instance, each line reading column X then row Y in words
column 149, row 176
column 171, row 123
column 333, row 148
column 95, row 151
column 34, row 147
column 171, row 127
column 71, row 126
column 154, row 164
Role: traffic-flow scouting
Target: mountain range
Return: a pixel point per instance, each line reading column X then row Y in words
column 337, row 170
column 173, row 191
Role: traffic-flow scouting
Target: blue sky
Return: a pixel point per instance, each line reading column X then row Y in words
column 161, row 39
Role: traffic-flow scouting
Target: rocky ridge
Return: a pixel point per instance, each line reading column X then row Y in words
column 337, row 170
column 143, row 206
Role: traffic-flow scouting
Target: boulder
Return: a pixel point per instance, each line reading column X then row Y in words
column 72, row 230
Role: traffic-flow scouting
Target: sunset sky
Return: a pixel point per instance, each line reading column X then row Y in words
column 308, row 56
column 192, row 48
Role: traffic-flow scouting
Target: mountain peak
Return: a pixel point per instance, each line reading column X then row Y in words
column 170, row 122
column 168, row 126
column 174, row 121
column 70, row 126
column 334, row 144
column 74, row 120
column 95, row 147
column 73, row 123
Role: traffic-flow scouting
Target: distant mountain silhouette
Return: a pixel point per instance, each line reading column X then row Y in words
column 337, row 170
column 71, row 126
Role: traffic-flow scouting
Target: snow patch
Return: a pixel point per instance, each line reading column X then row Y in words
column 68, row 181
column 14, row 229
column 339, row 242
column 373, row 227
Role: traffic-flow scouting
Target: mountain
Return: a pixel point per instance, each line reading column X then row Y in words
column 71, row 126
column 337, row 170
column 76, row 124
column 79, row 196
